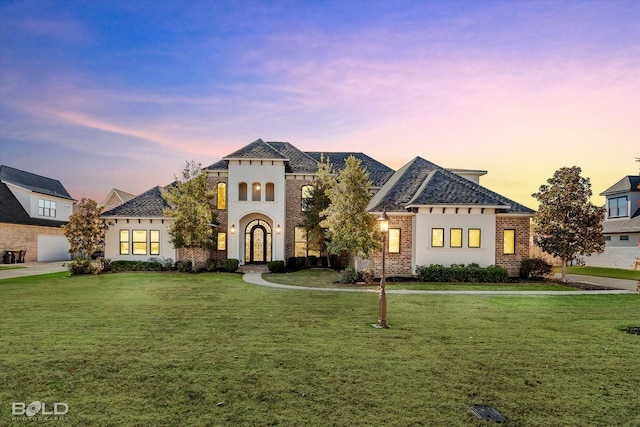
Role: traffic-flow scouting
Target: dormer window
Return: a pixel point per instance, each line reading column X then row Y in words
column 618, row 207
column 47, row 208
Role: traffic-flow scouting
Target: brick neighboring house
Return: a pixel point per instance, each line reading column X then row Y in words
column 621, row 225
column 437, row 216
column 33, row 209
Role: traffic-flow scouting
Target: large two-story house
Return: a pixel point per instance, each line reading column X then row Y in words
column 33, row 209
column 621, row 225
column 437, row 216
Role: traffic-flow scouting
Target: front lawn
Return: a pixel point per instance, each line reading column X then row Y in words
column 169, row 349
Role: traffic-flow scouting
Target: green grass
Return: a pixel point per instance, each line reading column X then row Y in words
column 11, row 267
column 165, row 349
column 615, row 273
column 327, row 278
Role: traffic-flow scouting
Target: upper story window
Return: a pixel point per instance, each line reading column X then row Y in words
column 307, row 195
column 256, row 192
column 242, row 191
column 270, row 192
column 222, row 195
column 618, row 207
column 46, row 208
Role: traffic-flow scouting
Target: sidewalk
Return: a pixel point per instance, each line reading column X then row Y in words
column 256, row 279
column 32, row 269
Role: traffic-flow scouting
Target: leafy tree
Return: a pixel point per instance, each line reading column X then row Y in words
column 349, row 226
column 317, row 204
column 569, row 225
column 191, row 208
column 86, row 229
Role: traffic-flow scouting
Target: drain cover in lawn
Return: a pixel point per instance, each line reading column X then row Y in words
column 632, row 330
column 487, row 413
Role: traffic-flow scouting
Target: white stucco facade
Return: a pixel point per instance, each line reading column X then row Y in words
column 112, row 239
column 259, row 203
column 446, row 219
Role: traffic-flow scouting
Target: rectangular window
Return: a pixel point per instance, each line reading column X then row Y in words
column 300, row 244
column 307, row 197
column 509, row 242
column 618, row 207
column 625, row 238
column 222, row 195
column 124, row 242
column 474, row 238
column 394, row 240
column 222, row 241
column 455, row 238
column 139, row 242
column 242, row 191
column 154, row 242
column 437, row 237
column 607, row 238
column 46, row 208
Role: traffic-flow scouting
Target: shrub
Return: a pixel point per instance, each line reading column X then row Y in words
column 367, row 275
column 154, row 265
column 276, row 267
column 231, row 265
column 312, row 260
column 86, row 266
column 534, row 268
column 471, row 273
column 301, row 262
column 291, row 264
column 184, row 266
column 349, row 275
column 210, row 264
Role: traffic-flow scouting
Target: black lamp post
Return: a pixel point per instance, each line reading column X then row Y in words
column 383, row 224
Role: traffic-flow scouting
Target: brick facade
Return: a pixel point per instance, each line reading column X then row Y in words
column 294, row 215
column 521, row 225
column 397, row 264
column 25, row 237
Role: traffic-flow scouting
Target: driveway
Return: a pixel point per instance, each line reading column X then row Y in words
column 33, row 269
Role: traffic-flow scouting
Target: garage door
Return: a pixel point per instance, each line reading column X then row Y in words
column 53, row 248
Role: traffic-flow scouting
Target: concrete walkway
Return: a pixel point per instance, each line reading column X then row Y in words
column 256, row 279
column 32, row 269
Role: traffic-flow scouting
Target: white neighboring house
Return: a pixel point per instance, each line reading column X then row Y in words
column 621, row 226
column 33, row 208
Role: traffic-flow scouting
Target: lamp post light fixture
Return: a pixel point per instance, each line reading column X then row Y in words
column 383, row 224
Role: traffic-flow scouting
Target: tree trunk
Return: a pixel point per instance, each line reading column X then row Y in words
column 193, row 259
column 564, row 278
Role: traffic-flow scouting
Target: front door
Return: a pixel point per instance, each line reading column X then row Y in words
column 258, row 242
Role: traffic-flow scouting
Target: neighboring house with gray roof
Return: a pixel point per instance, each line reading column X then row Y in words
column 437, row 216
column 33, row 209
column 621, row 225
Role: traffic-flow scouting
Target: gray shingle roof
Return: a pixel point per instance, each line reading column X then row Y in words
column 148, row 204
column 626, row 184
column 302, row 162
column 422, row 183
column 258, row 149
column 33, row 182
column 378, row 172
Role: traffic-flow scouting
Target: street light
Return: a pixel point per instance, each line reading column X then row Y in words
column 383, row 224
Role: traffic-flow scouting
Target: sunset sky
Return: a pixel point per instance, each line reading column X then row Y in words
column 104, row 94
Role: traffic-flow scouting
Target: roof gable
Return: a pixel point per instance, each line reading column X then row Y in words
column 257, row 150
column 627, row 184
column 33, row 182
column 148, row 204
column 422, row 183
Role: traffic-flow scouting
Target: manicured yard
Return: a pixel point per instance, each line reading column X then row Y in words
column 168, row 349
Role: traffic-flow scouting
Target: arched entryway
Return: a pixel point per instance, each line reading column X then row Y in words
column 257, row 242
